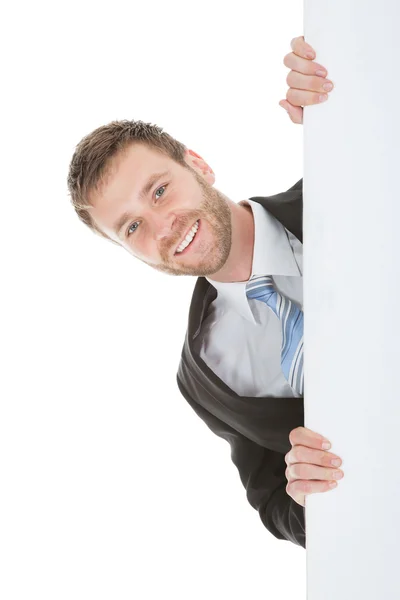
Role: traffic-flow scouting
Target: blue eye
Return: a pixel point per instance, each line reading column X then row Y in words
column 160, row 188
column 129, row 228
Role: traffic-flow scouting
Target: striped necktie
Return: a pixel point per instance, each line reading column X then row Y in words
column 291, row 317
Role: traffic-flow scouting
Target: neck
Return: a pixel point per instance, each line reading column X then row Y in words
column 240, row 259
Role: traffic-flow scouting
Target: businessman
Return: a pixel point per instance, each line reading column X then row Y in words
column 241, row 368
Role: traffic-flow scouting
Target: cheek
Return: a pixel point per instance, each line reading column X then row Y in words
column 144, row 249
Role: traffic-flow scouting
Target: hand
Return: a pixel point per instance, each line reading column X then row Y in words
column 303, row 76
column 303, row 473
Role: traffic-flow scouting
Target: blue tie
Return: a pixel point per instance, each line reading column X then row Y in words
column 291, row 317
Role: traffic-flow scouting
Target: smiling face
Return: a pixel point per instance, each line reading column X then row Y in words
column 152, row 223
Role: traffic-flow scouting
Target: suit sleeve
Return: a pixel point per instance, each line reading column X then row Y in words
column 262, row 472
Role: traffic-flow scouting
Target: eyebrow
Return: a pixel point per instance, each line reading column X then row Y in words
column 126, row 216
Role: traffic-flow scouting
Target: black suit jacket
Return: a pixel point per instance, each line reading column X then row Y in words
column 257, row 429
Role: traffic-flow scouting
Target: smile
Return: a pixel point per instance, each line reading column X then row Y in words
column 188, row 239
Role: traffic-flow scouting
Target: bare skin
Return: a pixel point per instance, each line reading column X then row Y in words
column 309, row 469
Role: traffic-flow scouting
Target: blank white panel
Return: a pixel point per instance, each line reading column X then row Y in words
column 351, row 295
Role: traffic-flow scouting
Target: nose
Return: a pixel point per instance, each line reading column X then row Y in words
column 163, row 226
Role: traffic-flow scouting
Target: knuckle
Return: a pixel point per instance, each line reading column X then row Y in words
column 292, row 472
column 287, row 459
column 291, row 434
column 294, row 454
column 295, row 433
column 296, row 44
column 299, row 454
column 286, row 60
column 294, row 79
column 292, row 491
column 287, row 473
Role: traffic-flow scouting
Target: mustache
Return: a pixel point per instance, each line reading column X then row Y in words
column 180, row 228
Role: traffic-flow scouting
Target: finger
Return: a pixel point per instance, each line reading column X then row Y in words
column 302, row 454
column 309, row 83
column 301, row 48
column 305, row 437
column 300, row 488
column 305, row 98
column 295, row 112
column 306, row 471
column 301, row 65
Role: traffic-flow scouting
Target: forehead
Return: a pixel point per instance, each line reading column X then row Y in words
column 132, row 166
column 127, row 174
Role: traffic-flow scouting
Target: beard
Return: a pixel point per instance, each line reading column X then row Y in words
column 214, row 209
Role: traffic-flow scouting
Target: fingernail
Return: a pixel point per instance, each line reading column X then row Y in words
column 320, row 73
column 310, row 55
column 326, row 445
column 336, row 462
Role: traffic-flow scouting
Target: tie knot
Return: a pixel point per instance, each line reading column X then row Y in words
column 260, row 287
column 291, row 318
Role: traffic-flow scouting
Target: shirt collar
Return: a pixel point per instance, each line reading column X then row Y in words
column 273, row 255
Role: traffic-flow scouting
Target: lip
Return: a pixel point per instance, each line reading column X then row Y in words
column 191, row 243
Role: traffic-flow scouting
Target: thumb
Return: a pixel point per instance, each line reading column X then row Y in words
column 286, row 107
column 295, row 112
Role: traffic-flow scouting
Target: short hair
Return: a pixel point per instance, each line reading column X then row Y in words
column 93, row 159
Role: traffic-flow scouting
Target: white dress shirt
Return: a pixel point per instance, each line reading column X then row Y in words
column 240, row 339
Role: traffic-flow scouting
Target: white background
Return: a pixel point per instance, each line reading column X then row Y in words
column 111, row 486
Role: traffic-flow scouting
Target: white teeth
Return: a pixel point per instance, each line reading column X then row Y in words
column 188, row 238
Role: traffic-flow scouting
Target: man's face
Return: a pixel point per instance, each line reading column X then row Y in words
column 158, row 221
